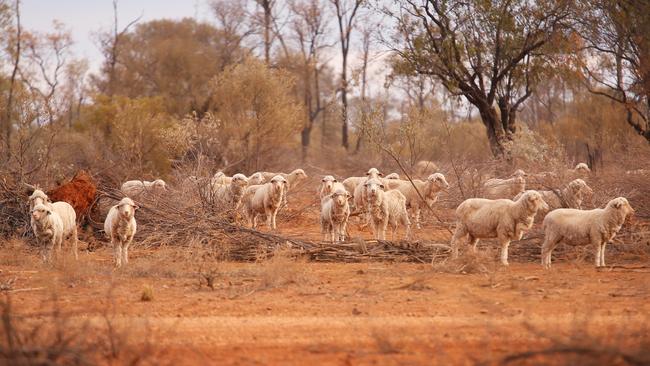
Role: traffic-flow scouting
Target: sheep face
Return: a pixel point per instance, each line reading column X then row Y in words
column 519, row 173
column 328, row 183
column 439, row 180
column 38, row 197
column 582, row 168
column 126, row 208
column 373, row 172
column 578, row 186
column 40, row 211
column 160, row 185
column 621, row 204
column 299, row 173
column 373, row 186
column 279, row 183
column 340, row 197
column 239, row 180
column 534, row 201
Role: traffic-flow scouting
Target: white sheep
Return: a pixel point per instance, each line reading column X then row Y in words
column 66, row 214
column 506, row 220
column 292, row 180
column 582, row 227
column 134, row 188
column 335, row 212
column 230, row 195
column 256, row 179
column 264, row 199
column 48, row 229
column 429, row 190
column 386, row 208
column 120, row 226
column 496, row 188
column 424, row 168
column 570, row 196
column 328, row 185
column 351, row 183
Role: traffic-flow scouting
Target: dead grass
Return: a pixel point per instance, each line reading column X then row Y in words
column 281, row 270
column 468, row 262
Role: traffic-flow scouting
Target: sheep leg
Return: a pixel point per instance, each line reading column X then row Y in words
column 117, row 251
column 504, row 250
column 417, row 217
column 125, row 250
column 75, row 243
column 461, row 232
column 384, row 226
column 550, row 242
column 602, row 254
column 49, row 247
column 473, row 242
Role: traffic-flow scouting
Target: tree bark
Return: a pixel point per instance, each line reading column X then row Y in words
column 12, row 85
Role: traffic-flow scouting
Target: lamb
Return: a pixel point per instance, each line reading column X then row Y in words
column 232, row 193
column 134, row 188
column 506, row 220
column 120, row 226
column 570, row 196
column 504, row 188
column 328, row 185
column 581, row 227
column 264, row 199
column 335, row 211
column 48, row 228
column 65, row 213
column 424, row 168
column 386, row 208
column 428, row 189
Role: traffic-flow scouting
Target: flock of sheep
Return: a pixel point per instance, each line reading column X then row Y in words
column 505, row 214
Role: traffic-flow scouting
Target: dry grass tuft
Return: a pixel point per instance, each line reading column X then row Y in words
column 468, row 262
column 147, row 293
column 281, row 270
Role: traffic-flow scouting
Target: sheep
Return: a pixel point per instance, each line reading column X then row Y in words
column 386, row 208
column 292, row 180
column 335, row 212
column 256, row 179
column 351, row 183
column 65, row 213
column 581, row 227
column 392, row 176
column 570, row 196
column 496, row 188
column 328, row 185
column 582, row 169
column 134, row 188
column 424, row 168
column 219, row 178
column 506, row 220
column 48, row 228
column 232, row 193
column 428, row 189
column 120, row 226
column 264, row 199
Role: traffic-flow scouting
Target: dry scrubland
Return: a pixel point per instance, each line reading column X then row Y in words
column 185, row 300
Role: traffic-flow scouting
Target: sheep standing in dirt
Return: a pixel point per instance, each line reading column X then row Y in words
column 496, row 188
column 134, row 188
column 506, row 220
column 328, row 185
column 264, row 199
column 48, row 229
column 582, row 227
column 570, row 196
column 429, row 190
column 386, row 208
column 335, row 211
column 230, row 195
column 65, row 213
column 424, row 168
column 120, row 226
column 292, row 180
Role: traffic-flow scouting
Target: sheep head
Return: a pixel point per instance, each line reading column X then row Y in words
column 40, row 211
column 582, row 168
column 239, row 180
column 126, row 208
column 328, row 183
column 372, row 187
column 159, row 185
column 439, row 180
column 392, row 176
column 256, row 178
column 621, row 204
column 37, row 197
column 340, row 197
column 533, row 201
column 279, row 183
column 374, row 173
column 299, row 173
column 519, row 173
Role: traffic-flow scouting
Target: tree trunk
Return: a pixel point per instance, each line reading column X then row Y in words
column 305, row 135
column 344, row 117
column 497, row 136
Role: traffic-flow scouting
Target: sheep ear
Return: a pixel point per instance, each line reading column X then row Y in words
column 323, row 180
column 381, row 186
column 335, row 181
column 367, row 173
column 28, row 189
column 136, row 207
column 49, row 212
column 617, row 204
column 381, row 174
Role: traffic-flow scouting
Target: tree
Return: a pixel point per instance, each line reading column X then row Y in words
column 6, row 117
column 309, row 27
column 617, row 35
column 489, row 52
column 346, row 12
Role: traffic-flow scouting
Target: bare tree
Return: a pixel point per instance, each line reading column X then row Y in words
column 7, row 116
column 366, row 40
column 617, row 34
column 346, row 11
